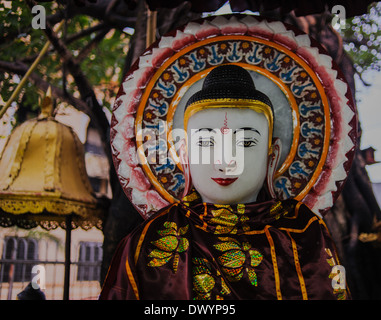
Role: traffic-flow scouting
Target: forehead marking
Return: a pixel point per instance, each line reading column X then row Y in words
column 225, row 129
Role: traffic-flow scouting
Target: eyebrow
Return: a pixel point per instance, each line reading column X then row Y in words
column 247, row 128
column 207, row 129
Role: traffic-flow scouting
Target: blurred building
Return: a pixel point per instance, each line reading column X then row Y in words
column 21, row 250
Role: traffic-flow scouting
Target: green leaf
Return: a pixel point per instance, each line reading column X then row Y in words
column 252, row 276
column 246, row 246
column 183, row 245
column 229, row 239
column 201, row 261
column 170, row 229
column 167, row 232
column 256, row 258
column 156, row 253
column 233, row 274
column 184, row 230
column 200, row 270
column 170, row 224
column 225, row 289
column 158, row 262
column 203, row 283
column 168, row 243
column 232, row 259
column 225, row 246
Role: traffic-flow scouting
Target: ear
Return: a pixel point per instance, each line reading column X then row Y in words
column 183, row 155
column 272, row 165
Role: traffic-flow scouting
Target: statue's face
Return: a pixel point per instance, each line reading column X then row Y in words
column 228, row 153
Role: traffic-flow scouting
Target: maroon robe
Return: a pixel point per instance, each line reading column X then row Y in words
column 193, row 250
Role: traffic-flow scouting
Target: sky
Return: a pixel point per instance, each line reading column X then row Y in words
column 369, row 110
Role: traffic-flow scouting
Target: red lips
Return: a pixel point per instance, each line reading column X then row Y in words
column 224, row 181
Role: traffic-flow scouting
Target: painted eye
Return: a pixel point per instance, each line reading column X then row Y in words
column 205, row 143
column 246, row 143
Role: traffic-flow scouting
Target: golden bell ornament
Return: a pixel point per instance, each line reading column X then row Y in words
column 42, row 172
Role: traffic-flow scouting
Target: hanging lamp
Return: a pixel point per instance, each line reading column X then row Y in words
column 43, row 180
column 43, row 175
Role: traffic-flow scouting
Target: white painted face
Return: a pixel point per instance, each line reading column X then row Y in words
column 228, row 154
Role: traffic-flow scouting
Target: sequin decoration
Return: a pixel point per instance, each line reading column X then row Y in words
column 190, row 198
column 237, row 258
column 169, row 246
column 226, row 220
column 277, row 210
column 204, row 281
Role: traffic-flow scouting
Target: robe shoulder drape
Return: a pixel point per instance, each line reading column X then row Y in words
column 193, row 250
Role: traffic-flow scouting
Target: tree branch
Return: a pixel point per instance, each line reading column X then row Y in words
column 56, row 17
column 90, row 46
column 115, row 13
column 366, row 84
column 86, row 32
column 20, row 68
column 71, row 39
column 84, row 87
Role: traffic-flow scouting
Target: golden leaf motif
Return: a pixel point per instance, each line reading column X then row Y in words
column 169, row 245
column 233, row 274
column 226, row 219
column 190, row 198
column 224, row 246
column 156, row 253
column 184, row 230
column 204, row 281
column 170, row 229
column 158, row 262
column 183, row 245
column 234, row 258
column 252, row 276
column 256, row 258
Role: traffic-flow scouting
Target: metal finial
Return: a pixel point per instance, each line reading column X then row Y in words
column 47, row 105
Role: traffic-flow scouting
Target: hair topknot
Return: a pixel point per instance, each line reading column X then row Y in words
column 229, row 82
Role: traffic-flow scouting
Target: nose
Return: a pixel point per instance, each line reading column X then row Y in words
column 225, row 167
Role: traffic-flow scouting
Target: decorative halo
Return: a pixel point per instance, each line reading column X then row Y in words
column 315, row 117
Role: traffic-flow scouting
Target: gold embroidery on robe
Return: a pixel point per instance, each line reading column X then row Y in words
column 234, row 257
column 169, row 245
column 226, row 220
column 340, row 293
column 204, row 281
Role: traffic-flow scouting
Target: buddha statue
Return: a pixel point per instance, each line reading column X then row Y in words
column 229, row 237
